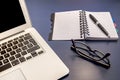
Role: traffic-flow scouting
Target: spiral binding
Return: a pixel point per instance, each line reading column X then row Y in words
column 84, row 31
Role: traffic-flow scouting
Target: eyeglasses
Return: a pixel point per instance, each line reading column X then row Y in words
column 88, row 53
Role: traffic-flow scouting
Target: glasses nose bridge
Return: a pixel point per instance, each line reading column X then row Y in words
column 90, row 49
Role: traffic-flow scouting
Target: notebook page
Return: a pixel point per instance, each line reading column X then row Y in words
column 66, row 25
column 106, row 21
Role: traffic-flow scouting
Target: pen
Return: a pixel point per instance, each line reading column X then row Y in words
column 99, row 25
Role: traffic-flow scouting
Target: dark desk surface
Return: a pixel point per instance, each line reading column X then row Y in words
column 80, row 69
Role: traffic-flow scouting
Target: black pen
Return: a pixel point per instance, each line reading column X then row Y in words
column 99, row 25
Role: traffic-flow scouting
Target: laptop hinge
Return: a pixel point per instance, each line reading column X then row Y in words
column 12, row 35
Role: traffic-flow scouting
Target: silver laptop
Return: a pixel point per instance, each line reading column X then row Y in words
column 24, row 55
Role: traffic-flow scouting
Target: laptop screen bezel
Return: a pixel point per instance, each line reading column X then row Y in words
column 21, row 27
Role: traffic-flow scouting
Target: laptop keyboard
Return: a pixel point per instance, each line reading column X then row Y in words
column 18, row 50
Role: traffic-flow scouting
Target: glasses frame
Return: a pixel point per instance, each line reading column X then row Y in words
column 103, row 61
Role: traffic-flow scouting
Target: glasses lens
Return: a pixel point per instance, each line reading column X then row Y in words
column 81, row 45
column 98, row 55
column 84, row 48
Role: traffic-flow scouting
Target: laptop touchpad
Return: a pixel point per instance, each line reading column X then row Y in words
column 14, row 75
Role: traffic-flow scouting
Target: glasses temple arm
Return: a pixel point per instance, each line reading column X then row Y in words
column 73, row 44
column 106, row 55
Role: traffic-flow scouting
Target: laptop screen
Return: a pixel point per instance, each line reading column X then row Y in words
column 10, row 15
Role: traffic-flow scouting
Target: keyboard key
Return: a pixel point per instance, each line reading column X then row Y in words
column 21, row 40
column 29, row 57
column 20, row 44
column 15, row 42
column 1, row 63
column 4, row 47
column 22, row 59
column 18, row 50
column 12, row 53
column 10, row 41
column 3, row 52
column 33, row 41
column 27, row 37
column 21, row 36
column 1, row 57
column 15, row 47
column 18, row 55
column 4, row 67
column 8, row 49
column 40, row 52
column 30, row 45
column 26, row 42
column 16, row 38
column 15, row 62
column 5, row 61
column 4, row 43
column 9, row 45
column 24, row 48
column 6, row 55
column 24, row 53
column 33, row 49
column 34, row 54
column 12, row 58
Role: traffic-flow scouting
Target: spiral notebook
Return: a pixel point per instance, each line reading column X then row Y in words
column 77, row 24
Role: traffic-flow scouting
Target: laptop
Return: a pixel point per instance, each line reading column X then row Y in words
column 24, row 54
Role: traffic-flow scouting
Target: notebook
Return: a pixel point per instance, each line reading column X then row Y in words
column 77, row 24
column 24, row 54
